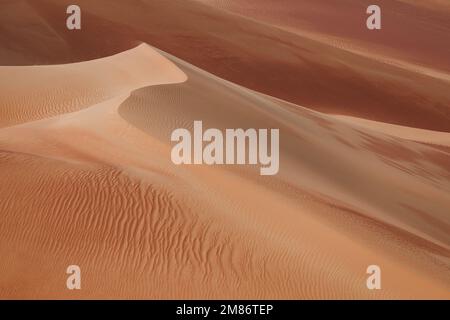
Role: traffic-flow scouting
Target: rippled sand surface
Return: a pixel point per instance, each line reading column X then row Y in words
column 87, row 179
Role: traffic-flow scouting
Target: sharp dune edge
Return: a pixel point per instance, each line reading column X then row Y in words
column 87, row 179
column 316, row 54
column 339, row 25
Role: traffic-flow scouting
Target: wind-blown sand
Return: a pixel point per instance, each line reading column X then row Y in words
column 87, row 179
column 72, row 87
column 414, row 134
column 338, row 68
column 427, row 20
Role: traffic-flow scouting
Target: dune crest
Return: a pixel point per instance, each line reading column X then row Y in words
column 90, row 180
column 38, row 92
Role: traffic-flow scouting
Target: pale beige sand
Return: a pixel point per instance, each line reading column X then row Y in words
column 331, row 63
column 96, row 187
column 412, row 31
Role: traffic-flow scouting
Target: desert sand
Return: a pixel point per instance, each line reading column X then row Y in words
column 427, row 20
column 296, row 67
column 87, row 179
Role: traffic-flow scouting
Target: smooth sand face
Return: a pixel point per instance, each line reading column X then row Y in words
column 298, row 67
column 96, row 187
column 37, row 92
column 87, row 179
column 343, row 22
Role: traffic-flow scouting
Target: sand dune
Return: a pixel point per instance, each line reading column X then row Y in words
column 387, row 77
column 37, row 92
column 89, row 181
column 427, row 19
column 413, row 134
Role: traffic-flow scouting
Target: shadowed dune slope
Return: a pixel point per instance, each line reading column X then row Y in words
column 298, row 67
column 309, row 139
column 414, row 31
column 36, row 92
column 96, row 187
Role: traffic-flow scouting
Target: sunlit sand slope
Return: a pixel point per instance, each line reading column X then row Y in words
column 94, row 185
column 322, row 57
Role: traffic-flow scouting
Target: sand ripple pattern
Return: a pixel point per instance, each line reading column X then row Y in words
column 88, row 180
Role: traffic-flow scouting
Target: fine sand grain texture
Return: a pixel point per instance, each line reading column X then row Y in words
column 96, row 187
column 37, row 92
column 86, row 176
column 342, row 68
column 427, row 19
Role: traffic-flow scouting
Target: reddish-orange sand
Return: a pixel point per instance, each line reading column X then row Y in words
column 399, row 75
column 87, row 179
